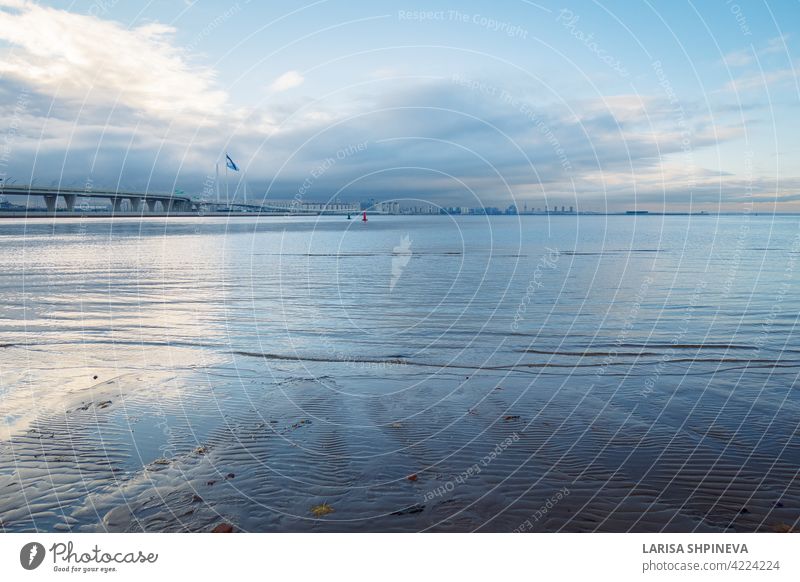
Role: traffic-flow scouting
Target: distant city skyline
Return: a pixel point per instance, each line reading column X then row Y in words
column 664, row 106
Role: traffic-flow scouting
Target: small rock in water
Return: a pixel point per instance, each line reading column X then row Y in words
column 230, row 476
column 412, row 477
column 223, row 528
column 396, row 425
column 196, row 498
column 210, row 483
column 744, row 510
column 322, row 509
column 512, row 417
column 94, row 377
column 104, row 404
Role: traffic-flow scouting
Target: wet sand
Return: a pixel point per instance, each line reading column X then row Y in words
column 123, row 455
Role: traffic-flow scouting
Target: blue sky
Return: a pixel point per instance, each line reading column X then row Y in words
column 611, row 105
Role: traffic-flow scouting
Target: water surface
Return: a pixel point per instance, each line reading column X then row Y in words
column 563, row 373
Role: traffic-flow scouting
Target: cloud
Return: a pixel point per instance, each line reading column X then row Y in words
column 437, row 140
column 126, row 105
column 738, row 58
column 763, row 80
column 444, row 141
column 288, row 80
column 765, row 76
column 744, row 57
column 85, row 59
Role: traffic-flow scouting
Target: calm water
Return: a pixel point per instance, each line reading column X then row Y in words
column 563, row 373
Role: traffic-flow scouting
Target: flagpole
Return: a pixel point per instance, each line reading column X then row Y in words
column 227, row 197
column 216, row 180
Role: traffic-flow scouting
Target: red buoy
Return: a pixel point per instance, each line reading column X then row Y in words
column 364, row 219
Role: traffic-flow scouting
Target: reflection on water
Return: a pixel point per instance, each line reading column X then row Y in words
column 412, row 373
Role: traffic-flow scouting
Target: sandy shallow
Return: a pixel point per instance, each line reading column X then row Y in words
column 188, row 449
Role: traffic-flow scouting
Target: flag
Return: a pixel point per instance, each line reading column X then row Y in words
column 229, row 162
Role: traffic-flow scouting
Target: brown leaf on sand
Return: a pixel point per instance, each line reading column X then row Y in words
column 223, row 528
column 321, row 509
column 412, row 477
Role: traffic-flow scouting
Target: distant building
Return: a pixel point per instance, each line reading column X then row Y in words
column 386, row 207
column 295, row 206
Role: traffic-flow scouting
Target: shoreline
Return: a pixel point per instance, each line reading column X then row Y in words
column 65, row 215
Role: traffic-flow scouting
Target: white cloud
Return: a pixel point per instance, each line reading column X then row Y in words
column 763, row 80
column 81, row 58
column 740, row 58
column 744, row 57
column 288, row 80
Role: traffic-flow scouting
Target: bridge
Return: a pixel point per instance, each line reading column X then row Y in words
column 168, row 202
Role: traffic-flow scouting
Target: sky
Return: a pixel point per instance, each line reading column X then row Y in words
column 658, row 105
